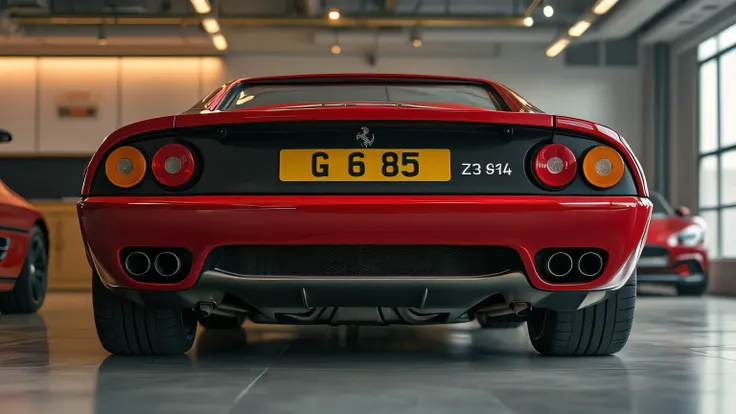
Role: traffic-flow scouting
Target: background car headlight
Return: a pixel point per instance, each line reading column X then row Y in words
column 690, row 236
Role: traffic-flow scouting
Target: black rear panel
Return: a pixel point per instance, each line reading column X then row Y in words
column 367, row 260
column 244, row 158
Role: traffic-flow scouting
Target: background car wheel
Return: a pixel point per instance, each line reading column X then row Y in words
column 601, row 329
column 30, row 288
column 222, row 322
column 499, row 322
column 693, row 289
column 127, row 328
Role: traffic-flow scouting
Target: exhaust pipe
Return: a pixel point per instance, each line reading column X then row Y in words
column 559, row 264
column 167, row 264
column 137, row 264
column 590, row 264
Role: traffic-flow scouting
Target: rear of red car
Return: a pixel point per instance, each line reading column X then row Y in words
column 675, row 253
column 396, row 199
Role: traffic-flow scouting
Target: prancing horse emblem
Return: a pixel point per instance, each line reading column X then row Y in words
column 363, row 135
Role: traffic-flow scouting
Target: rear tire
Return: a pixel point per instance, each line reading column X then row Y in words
column 601, row 329
column 223, row 322
column 127, row 328
column 29, row 292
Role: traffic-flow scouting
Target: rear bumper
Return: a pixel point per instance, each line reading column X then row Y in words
column 377, row 301
column 524, row 223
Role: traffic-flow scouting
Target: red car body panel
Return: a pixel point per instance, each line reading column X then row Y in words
column 17, row 216
column 525, row 223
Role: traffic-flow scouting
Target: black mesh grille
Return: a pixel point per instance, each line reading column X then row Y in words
column 373, row 260
column 654, row 251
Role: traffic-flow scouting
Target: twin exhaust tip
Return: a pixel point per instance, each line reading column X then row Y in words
column 166, row 264
column 561, row 264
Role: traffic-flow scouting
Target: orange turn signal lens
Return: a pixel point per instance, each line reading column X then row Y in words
column 125, row 167
column 603, row 167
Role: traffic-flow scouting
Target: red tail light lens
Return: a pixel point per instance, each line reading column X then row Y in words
column 173, row 165
column 555, row 165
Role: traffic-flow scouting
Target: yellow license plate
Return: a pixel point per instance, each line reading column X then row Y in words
column 365, row 165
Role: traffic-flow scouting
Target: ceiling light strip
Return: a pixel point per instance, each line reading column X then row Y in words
column 603, row 6
column 210, row 24
column 201, row 6
column 581, row 26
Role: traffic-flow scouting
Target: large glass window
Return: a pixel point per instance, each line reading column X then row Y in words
column 717, row 140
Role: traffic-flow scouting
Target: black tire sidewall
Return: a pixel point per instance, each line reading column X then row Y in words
column 23, row 290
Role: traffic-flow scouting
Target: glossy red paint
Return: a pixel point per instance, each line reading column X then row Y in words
column 17, row 217
column 661, row 228
column 610, row 137
column 201, row 223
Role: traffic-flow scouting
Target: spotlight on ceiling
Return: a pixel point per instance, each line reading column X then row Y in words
column 335, row 49
column 528, row 21
column 416, row 39
column 334, row 14
column 101, row 36
column 548, row 11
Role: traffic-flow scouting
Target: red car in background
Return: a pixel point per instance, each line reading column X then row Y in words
column 23, row 251
column 364, row 199
column 675, row 253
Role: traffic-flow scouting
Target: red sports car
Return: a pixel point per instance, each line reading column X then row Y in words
column 675, row 252
column 23, row 251
column 364, row 200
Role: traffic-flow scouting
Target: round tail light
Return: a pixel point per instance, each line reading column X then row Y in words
column 555, row 165
column 173, row 165
column 125, row 167
column 603, row 167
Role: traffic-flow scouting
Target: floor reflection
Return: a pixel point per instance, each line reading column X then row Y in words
column 681, row 360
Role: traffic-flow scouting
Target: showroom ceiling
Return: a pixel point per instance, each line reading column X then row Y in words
column 128, row 23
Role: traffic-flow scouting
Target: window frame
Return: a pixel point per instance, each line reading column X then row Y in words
column 716, row 251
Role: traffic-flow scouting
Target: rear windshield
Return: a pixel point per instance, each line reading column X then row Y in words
column 249, row 96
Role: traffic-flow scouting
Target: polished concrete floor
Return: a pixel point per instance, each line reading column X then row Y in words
column 681, row 360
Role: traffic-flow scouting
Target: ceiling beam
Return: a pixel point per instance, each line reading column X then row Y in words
column 253, row 21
